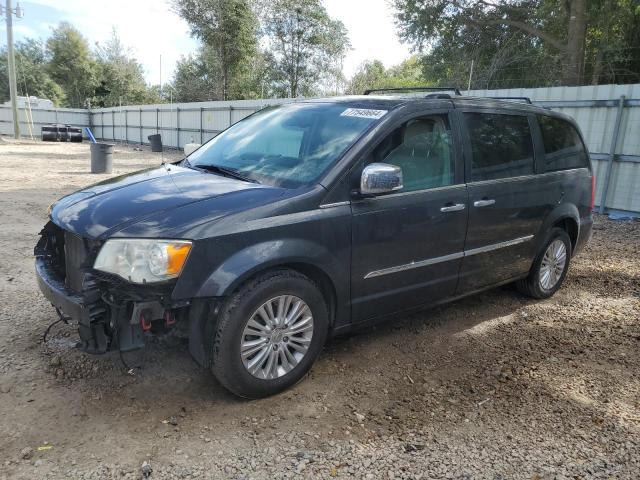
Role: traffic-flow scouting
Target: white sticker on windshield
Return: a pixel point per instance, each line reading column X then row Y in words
column 363, row 113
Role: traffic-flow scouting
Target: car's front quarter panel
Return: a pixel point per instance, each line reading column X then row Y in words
column 239, row 247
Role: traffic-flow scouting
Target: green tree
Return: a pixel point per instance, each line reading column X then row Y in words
column 72, row 64
column 120, row 76
column 519, row 42
column 613, row 36
column 305, row 46
column 31, row 73
column 229, row 28
column 372, row 74
column 197, row 77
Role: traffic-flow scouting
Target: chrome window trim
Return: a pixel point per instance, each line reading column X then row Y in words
column 521, row 178
column 524, row 177
column 446, row 258
column 414, row 192
column 335, row 204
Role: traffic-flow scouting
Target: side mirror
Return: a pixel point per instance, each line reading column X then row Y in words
column 380, row 178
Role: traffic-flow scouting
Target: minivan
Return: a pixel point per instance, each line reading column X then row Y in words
column 313, row 218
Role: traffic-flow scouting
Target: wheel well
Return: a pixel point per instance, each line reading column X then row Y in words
column 322, row 280
column 570, row 226
column 316, row 274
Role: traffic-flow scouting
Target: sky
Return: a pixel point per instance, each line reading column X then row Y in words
column 150, row 28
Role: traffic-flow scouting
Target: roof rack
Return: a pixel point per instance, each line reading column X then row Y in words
column 414, row 89
column 522, row 99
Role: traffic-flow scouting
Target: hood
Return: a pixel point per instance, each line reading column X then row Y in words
column 102, row 209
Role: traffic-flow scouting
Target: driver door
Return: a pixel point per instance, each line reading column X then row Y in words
column 407, row 246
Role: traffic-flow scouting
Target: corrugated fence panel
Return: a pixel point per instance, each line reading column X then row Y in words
column 198, row 122
column 67, row 116
column 179, row 123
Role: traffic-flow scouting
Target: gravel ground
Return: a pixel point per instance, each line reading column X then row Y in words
column 495, row 386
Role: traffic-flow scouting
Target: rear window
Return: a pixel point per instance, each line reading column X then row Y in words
column 563, row 147
column 501, row 146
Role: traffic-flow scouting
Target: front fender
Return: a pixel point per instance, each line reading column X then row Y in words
column 262, row 256
column 247, row 262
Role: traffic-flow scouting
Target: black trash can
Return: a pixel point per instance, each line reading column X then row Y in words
column 156, row 142
column 101, row 157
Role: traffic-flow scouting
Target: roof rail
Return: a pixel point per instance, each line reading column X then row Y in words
column 414, row 89
column 522, row 99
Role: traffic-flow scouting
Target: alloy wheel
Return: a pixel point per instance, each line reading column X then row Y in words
column 553, row 263
column 276, row 337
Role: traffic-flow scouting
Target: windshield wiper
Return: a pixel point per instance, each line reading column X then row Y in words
column 229, row 172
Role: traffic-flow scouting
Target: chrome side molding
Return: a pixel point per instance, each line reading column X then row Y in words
column 408, row 266
column 446, row 258
column 496, row 246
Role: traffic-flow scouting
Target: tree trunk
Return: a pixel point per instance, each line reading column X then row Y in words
column 597, row 68
column 574, row 60
column 225, row 77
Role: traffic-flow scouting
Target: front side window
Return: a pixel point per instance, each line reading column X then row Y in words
column 289, row 145
column 422, row 149
column 563, row 148
column 501, row 145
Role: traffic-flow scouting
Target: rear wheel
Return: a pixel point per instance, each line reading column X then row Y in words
column 269, row 334
column 550, row 266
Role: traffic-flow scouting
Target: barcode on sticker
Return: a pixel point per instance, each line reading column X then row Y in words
column 363, row 113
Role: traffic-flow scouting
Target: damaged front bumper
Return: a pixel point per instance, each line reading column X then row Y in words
column 101, row 327
column 111, row 314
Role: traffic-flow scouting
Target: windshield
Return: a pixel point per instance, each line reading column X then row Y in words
column 286, row 146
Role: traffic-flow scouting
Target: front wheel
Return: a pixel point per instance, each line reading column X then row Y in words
column 550, row 266
column 269, row 333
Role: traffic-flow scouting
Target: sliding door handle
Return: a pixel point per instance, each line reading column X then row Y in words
column 483, row 203
column 453, row 208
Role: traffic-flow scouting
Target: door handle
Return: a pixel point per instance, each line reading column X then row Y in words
column 453, row 208
column 483, row 203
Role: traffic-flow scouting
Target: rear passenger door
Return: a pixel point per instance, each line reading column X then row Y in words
column 506, row 201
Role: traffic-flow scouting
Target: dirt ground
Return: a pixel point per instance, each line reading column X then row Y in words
column 495, row 386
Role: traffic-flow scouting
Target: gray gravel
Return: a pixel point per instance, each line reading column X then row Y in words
column 495, row 386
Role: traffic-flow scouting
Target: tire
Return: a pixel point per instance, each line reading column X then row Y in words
column 535, row 285
column 228, row 364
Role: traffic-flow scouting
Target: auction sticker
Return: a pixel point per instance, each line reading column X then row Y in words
column 363, row 113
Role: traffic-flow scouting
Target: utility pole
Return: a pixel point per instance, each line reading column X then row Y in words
column 11, row 62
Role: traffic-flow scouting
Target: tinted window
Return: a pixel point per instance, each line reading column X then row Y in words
column 288, row 146
column 563, row 147
column 501, row 145
column 422, row 148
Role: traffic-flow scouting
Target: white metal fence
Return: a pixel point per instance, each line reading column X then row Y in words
column 42, row 116
column 615, row 152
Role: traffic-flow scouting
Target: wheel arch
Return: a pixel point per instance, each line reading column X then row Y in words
column 304, row 256
column 571, row 226
column 564, row 216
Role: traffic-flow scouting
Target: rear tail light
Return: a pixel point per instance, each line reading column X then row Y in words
column 593, row 192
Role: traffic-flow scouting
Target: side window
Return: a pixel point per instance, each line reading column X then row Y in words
column 422, row 148
column 563, row 147
column 501, row 145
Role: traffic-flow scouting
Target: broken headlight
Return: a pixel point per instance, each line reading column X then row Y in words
column 143, row 260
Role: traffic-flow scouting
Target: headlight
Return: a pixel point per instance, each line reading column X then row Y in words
column 143, row 260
